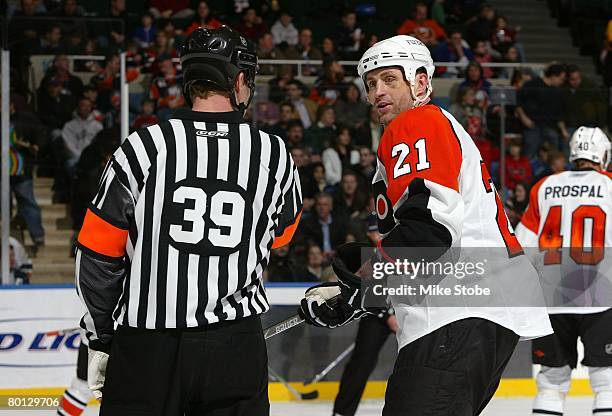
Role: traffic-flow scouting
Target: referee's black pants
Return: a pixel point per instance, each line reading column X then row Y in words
column 371, row 336
column 220, row 370
column 453, row 371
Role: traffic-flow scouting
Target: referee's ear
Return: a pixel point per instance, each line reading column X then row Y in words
column 243, row 92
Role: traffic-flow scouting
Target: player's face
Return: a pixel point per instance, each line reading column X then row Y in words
column 389, row 93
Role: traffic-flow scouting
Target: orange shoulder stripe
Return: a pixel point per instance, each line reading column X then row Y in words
column 531, row 217
column 420, row 143
column 285, row 238
column 102, row 237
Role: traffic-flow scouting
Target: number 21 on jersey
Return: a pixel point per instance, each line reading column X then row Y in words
column 401, row 152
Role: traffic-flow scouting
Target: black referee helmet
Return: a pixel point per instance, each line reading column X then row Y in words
column 215, row 57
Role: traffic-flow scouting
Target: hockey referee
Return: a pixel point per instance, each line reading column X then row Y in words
column 174, row 245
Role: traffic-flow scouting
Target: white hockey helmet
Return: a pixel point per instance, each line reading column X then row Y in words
column 407, row 52
column 590, row 143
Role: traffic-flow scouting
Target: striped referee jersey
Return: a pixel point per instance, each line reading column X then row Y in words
column 181, row 228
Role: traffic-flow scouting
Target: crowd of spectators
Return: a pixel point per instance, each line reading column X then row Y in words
column 331, row 131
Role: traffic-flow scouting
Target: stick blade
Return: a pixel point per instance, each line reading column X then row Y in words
column 311, row 395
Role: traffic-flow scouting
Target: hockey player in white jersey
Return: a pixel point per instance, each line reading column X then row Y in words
column 433, row 191
column 567, row 230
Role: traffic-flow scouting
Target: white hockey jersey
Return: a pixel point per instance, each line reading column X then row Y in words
column 433, row 190
column 567, row 232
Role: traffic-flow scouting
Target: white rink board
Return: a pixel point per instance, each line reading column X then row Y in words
column 31, row 358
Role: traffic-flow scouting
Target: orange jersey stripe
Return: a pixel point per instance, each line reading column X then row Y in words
column 531, row 217
column 102, row 237
column 285, row 238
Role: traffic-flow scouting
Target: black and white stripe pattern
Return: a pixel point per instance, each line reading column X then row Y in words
column 210, row 195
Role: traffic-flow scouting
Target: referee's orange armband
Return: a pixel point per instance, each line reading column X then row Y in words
column 102, row 237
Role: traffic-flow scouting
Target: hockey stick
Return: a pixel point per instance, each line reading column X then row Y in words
column 269, row 332
column 311, row 395
column 331, row 365
column 61, row 332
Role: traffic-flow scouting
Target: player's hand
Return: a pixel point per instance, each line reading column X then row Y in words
column 96, row 372
column 323, row 306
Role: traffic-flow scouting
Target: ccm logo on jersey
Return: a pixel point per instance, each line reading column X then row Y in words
column 573, row 191
column 211, row 133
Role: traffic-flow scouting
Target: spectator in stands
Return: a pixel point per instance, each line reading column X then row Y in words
column 539, row 164
column 146, row 117
column 88, row 172
column 317, row 269
column 349, row 35
column 540, row 110
column 90, row 92
column 453, row 49
column 145, row 34
column 162, row 46
column 306, row 51
column 73, row 27
column 518, row 167
column 370, row 133
column 366, row 167
column 340, row 156
column 285, row 116
column 267, row 50
column 166, row 89
column 483, row 56
column 107, row 80
column 583, row 101
column 426, row 30
column 78, row 133
column 348, row 200
column 252, row 26
column 510, row 55
column 278, row 85
column 25, row 138
column 55, row 108
column 315, row 184
column 203, row 18
column 50, row 43
column 328, row 49
column 503, row 35
column 283, row 30
column 331, row 85
column 468, row 113
column 170, row 9
column 482, row 26
column 23, row 25
column 351, row 110
column 325, row 228
column 305, row 107
column 266, row 113
column 119, row 25
column 60, row 70
column 300, row 158
column 295, row 134
column 517, row 204
column 321, row 134
column 20, row 265
column 475, row 80
column 282, row 267
column 556, row 163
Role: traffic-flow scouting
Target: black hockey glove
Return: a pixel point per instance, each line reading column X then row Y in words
column 352, row 271
column 324, row 306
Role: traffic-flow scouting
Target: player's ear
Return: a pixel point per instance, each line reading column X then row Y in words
column 421, row 80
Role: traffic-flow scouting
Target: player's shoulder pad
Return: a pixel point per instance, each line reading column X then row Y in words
column 608, row 174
